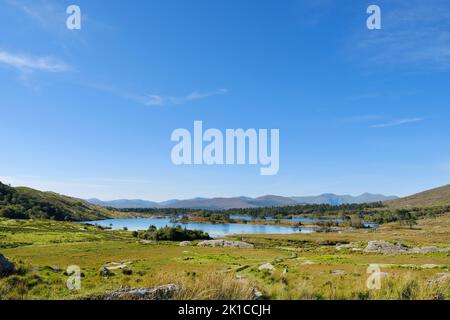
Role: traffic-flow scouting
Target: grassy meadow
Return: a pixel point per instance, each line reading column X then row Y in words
column 306, row 266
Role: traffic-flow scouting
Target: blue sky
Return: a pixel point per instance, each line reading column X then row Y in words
column 90, row 112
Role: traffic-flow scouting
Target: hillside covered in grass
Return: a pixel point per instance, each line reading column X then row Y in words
column 431, row 198
column 27, row 203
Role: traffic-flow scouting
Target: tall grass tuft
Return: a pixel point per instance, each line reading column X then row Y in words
column 215, row 286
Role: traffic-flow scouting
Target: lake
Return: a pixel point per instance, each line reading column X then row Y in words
column 310, row 220
column 214, row 230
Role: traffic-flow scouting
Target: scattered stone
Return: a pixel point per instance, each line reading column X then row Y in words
column 258, row 295
column 240, row 277
column 116, row 266
column 266, row 266
column 430, row 266
column 148, row 242
column 424, row 250
column 105, row 272
column 225, row 243
column 338, row 273
column 443, row 277
column 54, row 269
column 6, row 266
column 385, row 265
column 165, row 292
column 413, row 266
column 380, row 246
column 185, row 243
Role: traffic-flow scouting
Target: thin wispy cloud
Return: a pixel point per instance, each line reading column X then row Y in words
column 154, row 100
column 397, row 122
column 414, row 34
column 43, row 12
column 361, row 118
column 158, row 100
column 28, row 64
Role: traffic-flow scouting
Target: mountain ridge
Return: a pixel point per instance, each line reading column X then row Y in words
column 242, row 202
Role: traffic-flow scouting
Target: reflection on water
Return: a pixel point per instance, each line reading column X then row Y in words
column 310, row 220
column 292, row 219
column 214, row 230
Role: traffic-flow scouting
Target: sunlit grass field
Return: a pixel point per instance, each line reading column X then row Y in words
column 306, row 266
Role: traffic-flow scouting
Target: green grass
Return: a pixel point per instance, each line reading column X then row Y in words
column 311, row 260
column 430, row 198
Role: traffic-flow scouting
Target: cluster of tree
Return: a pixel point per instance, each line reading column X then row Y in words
column 171, row 234
column 165, row 211
column 316, row 210
column 278, row 212
column 16, row 205
column 375, row 212
column 26, row 203
column 407, row 216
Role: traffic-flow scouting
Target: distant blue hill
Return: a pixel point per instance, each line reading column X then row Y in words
column 244, row 202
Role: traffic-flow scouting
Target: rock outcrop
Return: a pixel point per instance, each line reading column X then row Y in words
column 380, row 246
column 165, row 292
column 105, row 272
column 225, row 243
column 6, row 266
column 267, row 266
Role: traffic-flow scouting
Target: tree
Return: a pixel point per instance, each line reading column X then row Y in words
column 13, row 212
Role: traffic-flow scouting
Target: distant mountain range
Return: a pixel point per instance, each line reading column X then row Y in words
column 244, row 202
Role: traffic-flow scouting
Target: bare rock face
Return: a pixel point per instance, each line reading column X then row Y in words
column 267, row 266
column 380, row 246
column 165, row 292
column 6, row 267
column 225, row 243
column 185, row 243
column 425, row 250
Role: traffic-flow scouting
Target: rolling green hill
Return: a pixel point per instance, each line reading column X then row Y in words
column 431, row 198
column 27, row 203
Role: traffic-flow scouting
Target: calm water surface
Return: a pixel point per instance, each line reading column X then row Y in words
column 214, row 230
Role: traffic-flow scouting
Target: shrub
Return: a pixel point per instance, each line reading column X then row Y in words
column 174, row 234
